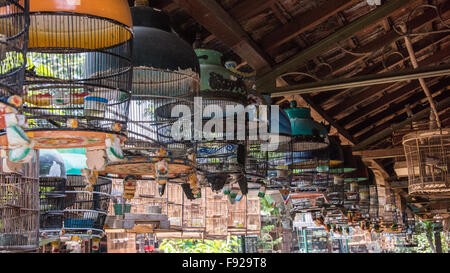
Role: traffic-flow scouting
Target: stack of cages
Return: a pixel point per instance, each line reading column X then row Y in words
column 52, row 187
column 19, row 208
column 428, row 160
column 85, row 212
column 221, row 151
column 14, row 23
column 79, row 73
column 165, row 82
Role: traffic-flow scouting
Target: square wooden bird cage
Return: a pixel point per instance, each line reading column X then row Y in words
column 19, row 209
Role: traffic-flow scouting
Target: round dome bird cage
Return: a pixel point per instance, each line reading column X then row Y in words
column 308, row 134
column 260, row 148
column 85, row 211
column 224, row 150
column 79, row 73
column 428, row 160
column 166, row 77
column 52, row 187
column 14, row 21
column 19, row 208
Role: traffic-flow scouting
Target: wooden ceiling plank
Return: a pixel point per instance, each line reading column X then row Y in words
column 393, row 126
column 381, row 153
column 439, row 56
column 249, row 8
column 267, row 80
column 304, row 22
column 394, row 108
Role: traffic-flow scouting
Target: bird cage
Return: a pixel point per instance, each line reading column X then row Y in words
column 19, row 208
column 278, row 132
column 14, row 22
column 216, row 214
column 428, row 160
column 175, row 202
column 148, row 199
column 85, row 212
column 194, row 213
column 335, row 192
column 52, row 187
column 52, row 199
column 79, row 77
column 308, row 134
column 253, row 213
column 166, row 74
column 279, row 161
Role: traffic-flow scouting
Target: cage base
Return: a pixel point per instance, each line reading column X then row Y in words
column 63, row 139
column 146, row 166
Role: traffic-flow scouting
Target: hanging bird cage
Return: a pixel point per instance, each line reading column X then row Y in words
column 308, row 134
column 347, row 163
column 14, row 21
column 85, row 212
column 79, row 77
column 279, row 132
column 52, row 198
column 220, row 151
column 166, row 75
column 52, row 187
column 428, row 160
column 335, row 192
column 19, row 209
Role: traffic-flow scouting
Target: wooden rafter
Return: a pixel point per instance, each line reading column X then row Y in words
column 217, row 21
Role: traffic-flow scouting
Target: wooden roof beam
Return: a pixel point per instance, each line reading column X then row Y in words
column 304, row 22
column 395, row 126
column 365, row 80
column 267, row 80
column 218, row 22
column 249, row 8
column 396, row 107
column 381, row 153
column 369, row 93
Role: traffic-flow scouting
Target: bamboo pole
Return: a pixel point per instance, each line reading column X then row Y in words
column 415, row 64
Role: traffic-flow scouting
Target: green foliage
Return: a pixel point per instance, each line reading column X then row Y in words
column 199, row 246
column 267, row 206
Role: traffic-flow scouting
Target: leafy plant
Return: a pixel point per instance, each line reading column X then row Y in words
column 200, row 246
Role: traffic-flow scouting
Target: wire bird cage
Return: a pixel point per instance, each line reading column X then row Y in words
column 19, row 209
column 79, row 73
column 428, row 160
column 216, row 214
column 263, row 149
column 85, row 212
column 166, row 77
column 14, row 20
column 194, row 213
column 52, row 203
